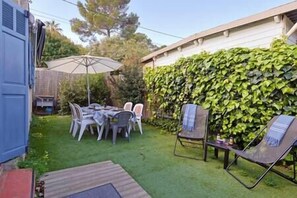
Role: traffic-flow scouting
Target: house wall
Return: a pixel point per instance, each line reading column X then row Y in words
column 288, row 24
column 257, row 34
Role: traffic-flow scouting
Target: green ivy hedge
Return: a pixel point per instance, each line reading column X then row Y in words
column 243, row 88
column 169, row 125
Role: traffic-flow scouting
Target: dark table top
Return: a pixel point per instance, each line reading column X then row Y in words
column 216, row 144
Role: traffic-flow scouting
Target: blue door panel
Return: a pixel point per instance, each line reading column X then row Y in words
column 14, row 57
column 14, row 124
column 13, row 81
column 14, row 143
column 15, row 90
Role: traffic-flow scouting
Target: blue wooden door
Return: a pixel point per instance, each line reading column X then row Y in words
column 13, row 80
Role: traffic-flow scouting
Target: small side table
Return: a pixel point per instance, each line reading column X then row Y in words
column 217, row 146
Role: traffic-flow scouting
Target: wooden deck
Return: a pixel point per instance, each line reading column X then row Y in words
column 69, row 181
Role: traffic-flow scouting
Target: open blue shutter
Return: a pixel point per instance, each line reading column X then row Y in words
column 13, row 80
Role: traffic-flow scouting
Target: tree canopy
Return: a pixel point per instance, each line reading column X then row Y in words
column 52, row 26
column 58, row 46
column 128, row 51
column 101, row 17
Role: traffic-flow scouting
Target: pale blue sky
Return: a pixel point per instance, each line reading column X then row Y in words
column 181, row 18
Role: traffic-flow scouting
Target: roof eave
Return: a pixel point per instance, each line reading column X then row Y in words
column 237, row 23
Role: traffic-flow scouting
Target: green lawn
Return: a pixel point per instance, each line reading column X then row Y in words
column 149, row 159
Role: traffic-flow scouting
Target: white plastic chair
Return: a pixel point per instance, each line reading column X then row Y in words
column 137, row 109
column 83, row 121
column 73, row 125
column 128, row 106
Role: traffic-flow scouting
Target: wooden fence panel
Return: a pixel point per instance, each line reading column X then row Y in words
column 47, row 82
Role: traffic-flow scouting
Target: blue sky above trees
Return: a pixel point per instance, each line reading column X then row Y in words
column 177, row 18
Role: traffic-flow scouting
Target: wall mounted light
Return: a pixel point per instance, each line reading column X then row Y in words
column 195, row 42
column 226, row 33
column 277, row 19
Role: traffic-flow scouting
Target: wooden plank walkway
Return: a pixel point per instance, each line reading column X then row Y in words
column 72, row 180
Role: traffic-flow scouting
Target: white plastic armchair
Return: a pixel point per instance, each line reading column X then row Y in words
column 73, row 125
column 137, row 109
column 83, row 122
column 128, row 106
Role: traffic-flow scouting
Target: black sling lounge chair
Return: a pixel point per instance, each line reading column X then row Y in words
column 195, row 137
column 267, row 156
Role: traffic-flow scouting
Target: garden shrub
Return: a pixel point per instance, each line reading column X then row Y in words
column 131, row 88
column 76, row 92
column 243, row 88
column 129, row 85
column 167, row 124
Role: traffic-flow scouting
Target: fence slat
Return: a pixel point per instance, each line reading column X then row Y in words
column 47, row 82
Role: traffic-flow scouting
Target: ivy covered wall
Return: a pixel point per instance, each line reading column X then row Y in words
column 243, row 88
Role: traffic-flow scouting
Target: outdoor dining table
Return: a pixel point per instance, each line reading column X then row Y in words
column 102, row 116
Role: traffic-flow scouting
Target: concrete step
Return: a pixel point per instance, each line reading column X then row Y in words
column 17, row 183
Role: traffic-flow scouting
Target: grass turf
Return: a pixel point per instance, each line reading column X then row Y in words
column 149, row 159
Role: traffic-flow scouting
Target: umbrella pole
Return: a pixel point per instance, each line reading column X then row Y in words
column 88, row 87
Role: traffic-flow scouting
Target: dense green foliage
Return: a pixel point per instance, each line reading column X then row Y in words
column 127, row 51
column 167, row 124
column 131, row 85
column 103, row 17
column 58, row 46
column 243, row 88
column 112, row 20
column 76, row 92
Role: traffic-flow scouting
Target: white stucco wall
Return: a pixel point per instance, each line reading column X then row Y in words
column 258, row 34
column 287, row 26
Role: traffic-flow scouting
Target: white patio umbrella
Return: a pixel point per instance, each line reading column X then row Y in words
column 84, row 64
